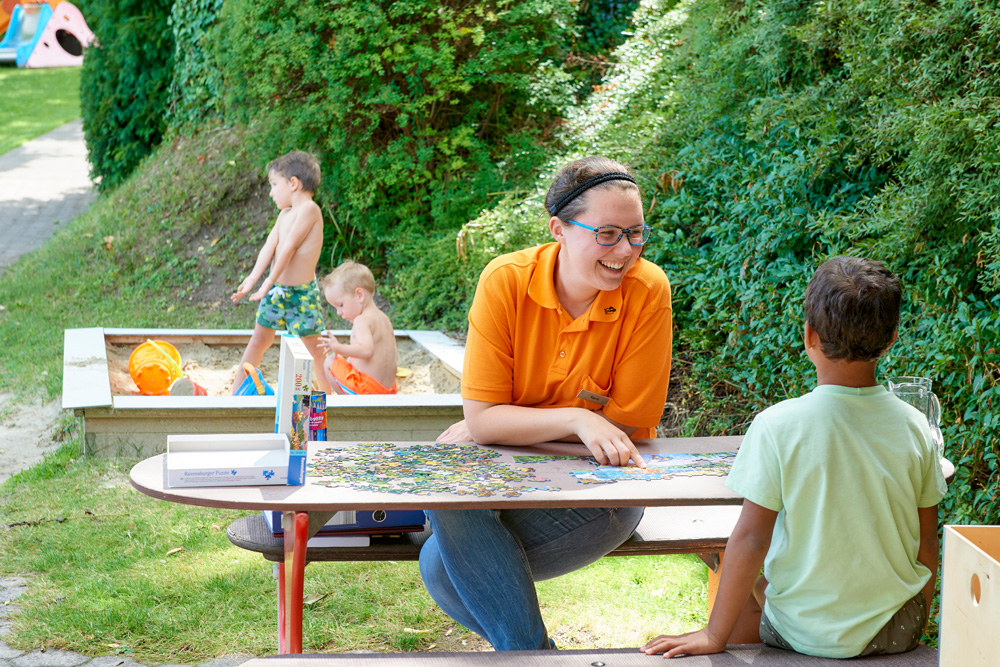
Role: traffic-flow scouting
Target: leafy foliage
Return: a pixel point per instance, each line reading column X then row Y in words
column 600, row 26
column 417, row 110
column 434, row 280
column 772, row 134
column 194, row 87
column 124, row 85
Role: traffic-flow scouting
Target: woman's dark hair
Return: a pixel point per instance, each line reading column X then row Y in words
column 577, row 173
column 852, row 304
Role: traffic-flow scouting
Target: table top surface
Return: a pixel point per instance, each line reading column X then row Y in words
column 552, row 481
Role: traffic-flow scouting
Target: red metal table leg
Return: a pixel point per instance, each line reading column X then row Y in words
column 281, row 607
column 296, row 537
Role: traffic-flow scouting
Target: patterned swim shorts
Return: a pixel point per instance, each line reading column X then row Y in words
column 294, row 308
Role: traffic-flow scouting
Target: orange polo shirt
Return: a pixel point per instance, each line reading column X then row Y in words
column 524, row 349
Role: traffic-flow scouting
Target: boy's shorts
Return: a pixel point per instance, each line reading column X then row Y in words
column 902, row 632
column 294, row 308
column 352, row 381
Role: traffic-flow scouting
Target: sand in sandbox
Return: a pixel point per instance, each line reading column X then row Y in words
column 214, row 368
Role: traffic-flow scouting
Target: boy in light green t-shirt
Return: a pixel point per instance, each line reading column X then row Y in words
column 841, row 487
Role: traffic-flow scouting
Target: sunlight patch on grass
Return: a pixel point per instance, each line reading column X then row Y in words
column 35, row 101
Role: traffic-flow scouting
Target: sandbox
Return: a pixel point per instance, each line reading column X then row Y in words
column 118, row 421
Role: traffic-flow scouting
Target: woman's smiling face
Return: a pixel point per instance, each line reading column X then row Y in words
column 586, row 266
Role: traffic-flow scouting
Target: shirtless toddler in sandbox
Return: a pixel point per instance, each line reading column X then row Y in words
column 366, row 365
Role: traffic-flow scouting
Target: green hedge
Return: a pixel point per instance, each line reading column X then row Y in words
column 124, row 85
column 195, row 85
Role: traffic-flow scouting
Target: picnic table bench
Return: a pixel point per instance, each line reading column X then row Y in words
column 757, row 655
column 663, row 530
column 703, row 531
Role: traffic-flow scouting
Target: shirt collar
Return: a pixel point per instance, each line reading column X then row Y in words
column 542, row 289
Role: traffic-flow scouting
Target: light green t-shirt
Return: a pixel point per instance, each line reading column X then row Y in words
column 846, row 469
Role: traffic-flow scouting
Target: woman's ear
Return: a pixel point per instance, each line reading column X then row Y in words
column 557, row 229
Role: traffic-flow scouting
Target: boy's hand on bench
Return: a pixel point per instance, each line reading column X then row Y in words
column 692, row 643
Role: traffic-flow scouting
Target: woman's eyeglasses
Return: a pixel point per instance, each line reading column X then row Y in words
column 608, row 235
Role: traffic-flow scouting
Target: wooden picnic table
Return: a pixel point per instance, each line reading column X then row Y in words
column 560, row 488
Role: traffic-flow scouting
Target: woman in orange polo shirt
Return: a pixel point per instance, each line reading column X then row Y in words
column 567, row 341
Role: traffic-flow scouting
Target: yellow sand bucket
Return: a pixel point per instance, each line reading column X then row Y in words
column 154, row 365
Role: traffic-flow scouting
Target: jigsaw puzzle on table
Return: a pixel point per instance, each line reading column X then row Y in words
column 657, row 467
column 470, row 470
column 422, row 469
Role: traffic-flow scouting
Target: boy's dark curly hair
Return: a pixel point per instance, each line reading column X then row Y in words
column 853, row 305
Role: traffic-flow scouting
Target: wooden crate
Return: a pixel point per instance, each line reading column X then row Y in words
column 970, row 597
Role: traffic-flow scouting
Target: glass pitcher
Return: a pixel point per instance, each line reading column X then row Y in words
column 917, row 392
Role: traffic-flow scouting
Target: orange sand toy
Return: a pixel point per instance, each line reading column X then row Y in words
column 154, row 366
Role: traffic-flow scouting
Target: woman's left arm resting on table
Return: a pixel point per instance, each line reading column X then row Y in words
column 503, row 424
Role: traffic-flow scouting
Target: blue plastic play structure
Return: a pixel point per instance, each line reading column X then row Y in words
column 23, row 32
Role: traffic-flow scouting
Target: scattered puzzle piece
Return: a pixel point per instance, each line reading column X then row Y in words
column 470, row 470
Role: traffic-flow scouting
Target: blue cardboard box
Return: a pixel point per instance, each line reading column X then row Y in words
column 360, row 521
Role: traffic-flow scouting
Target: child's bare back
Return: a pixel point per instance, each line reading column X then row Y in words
column 366, row 365
column 384, row 360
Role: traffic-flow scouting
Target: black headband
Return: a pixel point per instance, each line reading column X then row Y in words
column 586, row 185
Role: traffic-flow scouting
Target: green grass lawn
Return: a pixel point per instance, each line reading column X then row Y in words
column 34, row 101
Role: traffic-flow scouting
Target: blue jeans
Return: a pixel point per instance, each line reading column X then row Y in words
column 480, row 565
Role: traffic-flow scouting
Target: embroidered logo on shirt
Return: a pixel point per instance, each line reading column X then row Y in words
column 609, row 310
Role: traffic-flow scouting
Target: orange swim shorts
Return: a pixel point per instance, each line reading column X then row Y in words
column 353, row 381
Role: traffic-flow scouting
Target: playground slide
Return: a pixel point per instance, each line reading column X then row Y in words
column 39, row 36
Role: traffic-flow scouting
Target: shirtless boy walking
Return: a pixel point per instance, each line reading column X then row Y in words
column 289, row 296
column 366, row 365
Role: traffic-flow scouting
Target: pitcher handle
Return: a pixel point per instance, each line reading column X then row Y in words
column 934, row 410
column 934, row 419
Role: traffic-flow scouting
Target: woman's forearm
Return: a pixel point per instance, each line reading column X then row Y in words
column 502, row 424
column 516, row 425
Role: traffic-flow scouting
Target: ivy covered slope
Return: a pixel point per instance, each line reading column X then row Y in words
column 770, row 135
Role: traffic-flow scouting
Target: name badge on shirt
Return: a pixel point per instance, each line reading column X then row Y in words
column 592, row 397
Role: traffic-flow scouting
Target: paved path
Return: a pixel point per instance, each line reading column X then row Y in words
column 43, row 184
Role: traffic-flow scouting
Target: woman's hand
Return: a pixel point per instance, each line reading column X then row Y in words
column 692, row 643
column 607, row 442
column 457, row 432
